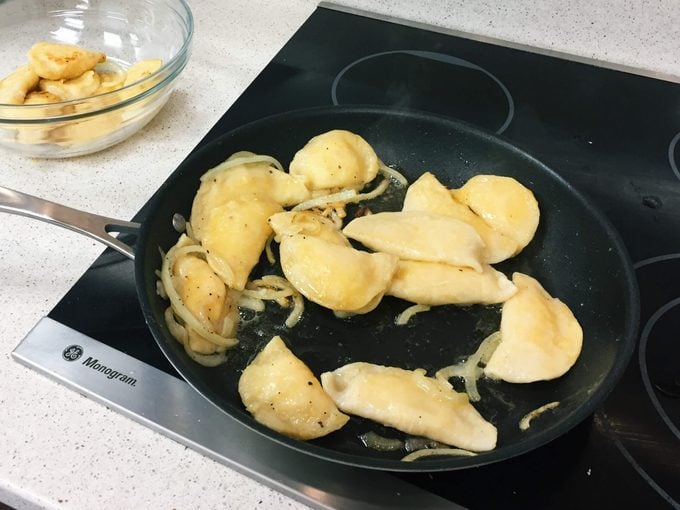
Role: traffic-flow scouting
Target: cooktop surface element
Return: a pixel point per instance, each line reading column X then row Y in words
column 614, row 136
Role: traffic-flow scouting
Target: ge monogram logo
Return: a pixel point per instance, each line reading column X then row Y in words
column 72, row 352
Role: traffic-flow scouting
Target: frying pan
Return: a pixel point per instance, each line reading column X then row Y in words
column 576, row 254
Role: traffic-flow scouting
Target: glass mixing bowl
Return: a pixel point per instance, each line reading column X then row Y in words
column 127, row 32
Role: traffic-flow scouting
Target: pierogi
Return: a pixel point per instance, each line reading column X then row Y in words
column 411, row 402
column 111, row 76
column 259, row 180
column 54, row 61
column 319, row 261
column 140, row 70
column 429, row 195
column 418, row 235
column 14, row 87
column 283, row 394
column 41, row 97
column 234, row 237
column 434, row 283
column 504, row 203
column 205, row 297
column 337, row 277
column 307, row 223
column 540, row 337
column 335, row 159
column 84, row 85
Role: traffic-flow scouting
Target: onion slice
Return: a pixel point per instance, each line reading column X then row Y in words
column 469, row 370
column 437, row 452
column 347, row 196
column 525, row 422
column 405, row 316
column 273, row 288
column 202, row 328
column 393, row 174
column 241, row 160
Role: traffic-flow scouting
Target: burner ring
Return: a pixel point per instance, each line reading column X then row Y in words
column 642, row 357
column 654, row 260
column 634, row 463
column 671, row 155
column 438, row 57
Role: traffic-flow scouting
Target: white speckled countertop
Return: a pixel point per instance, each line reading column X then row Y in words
column 60, row 450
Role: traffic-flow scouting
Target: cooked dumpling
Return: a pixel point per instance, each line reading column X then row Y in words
column 429, row 195
column 434, row 283
column 111, row 76
column 418, row 235
column 319, row 261
column 308, row 223
column 540, row 337
column 504, row 203
column 282, row 393
column 39, row 134
column 337, row 277
column 54, row 61
column 84, row 85
column 142, row 69
column 234, row 237
column 41, row 97
column 258, row 180
column 207, row 298
column 411, row 402
column 13, row 88
column 86, row 129
column 336, row 159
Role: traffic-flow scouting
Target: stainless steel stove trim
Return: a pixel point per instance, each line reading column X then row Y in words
column 507, row 44
column 170, row 406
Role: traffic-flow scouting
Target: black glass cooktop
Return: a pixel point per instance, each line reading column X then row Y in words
column 615, row 136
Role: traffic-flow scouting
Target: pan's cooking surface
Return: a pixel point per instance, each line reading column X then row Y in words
column 576, row 254
column 612, row 136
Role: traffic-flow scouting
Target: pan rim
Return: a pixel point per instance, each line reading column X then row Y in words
column 626, row 349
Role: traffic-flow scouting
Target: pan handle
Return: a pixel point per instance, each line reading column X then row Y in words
column 92, row 225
